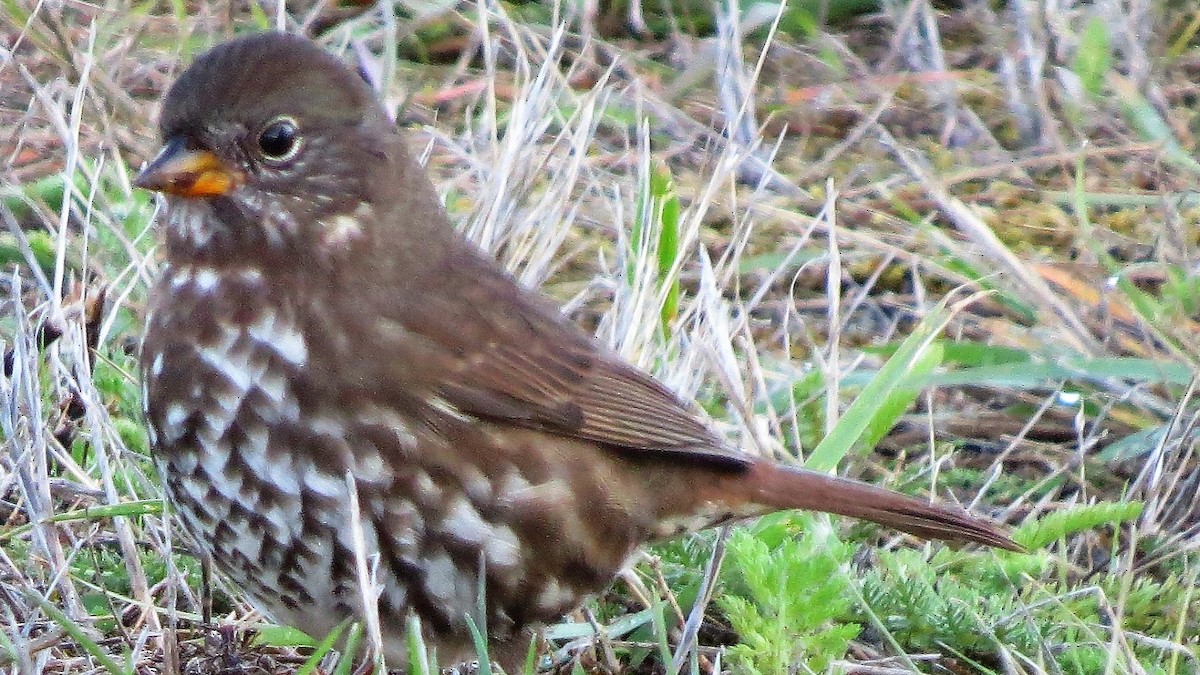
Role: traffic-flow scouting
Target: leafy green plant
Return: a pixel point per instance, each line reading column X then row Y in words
column 1059, row 524
column 787, row 595
column 970, row 604
column 952, row 603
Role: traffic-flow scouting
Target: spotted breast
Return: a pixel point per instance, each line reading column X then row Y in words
column 262, row 450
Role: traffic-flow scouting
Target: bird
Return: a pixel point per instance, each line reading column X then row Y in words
column 333, row 374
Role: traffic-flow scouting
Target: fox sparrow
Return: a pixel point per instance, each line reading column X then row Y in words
column 320, row 336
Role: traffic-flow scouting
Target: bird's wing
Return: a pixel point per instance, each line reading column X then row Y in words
column 520, row 360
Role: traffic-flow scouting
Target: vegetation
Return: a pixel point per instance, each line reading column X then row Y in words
column 948, row 249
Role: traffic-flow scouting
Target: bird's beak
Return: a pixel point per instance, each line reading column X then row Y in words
column 195, row 174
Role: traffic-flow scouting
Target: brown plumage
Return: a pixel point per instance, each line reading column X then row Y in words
column 319, row 331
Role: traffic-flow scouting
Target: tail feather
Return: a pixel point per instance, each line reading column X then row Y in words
column 783, row 487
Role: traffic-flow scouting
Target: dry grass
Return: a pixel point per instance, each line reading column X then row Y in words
column 833, row 192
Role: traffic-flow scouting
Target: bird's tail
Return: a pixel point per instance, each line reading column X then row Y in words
column 782, row 487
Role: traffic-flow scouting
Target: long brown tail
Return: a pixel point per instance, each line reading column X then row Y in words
column 783, row 487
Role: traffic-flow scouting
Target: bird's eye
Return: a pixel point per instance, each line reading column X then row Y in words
column 280, row 140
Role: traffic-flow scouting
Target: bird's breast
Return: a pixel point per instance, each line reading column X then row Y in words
column 265, row 441
column 262, row 453
column 251, row 466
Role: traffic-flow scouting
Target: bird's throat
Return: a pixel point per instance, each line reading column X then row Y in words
column 232, row 230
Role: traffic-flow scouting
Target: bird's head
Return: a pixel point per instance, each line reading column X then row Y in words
column 266, row 142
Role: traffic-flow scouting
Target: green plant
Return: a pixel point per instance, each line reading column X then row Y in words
column 1093, row 57
column 786, row 595
column 656, row 234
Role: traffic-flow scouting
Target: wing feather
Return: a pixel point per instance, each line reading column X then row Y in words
column 520, row 360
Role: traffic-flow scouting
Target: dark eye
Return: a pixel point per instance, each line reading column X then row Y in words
column 279, row 140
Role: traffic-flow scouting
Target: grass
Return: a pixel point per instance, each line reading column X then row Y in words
column 948, row 251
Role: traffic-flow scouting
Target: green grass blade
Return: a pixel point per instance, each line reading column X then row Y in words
column 323, row 647
column 899, row 378
column 76, row 633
